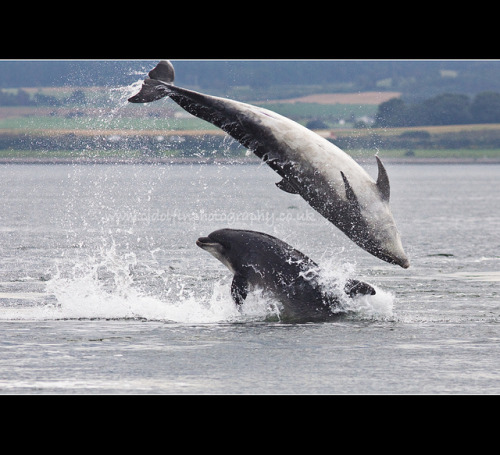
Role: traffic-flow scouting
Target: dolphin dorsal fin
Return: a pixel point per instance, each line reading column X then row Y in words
column 286, row 186
column 383, row 181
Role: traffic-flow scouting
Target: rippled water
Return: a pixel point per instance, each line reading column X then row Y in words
column 103, row 289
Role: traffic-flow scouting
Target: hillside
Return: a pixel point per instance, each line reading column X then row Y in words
column 414, row 79
column 90, row 122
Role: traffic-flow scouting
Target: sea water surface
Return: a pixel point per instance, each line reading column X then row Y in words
column 104, row 291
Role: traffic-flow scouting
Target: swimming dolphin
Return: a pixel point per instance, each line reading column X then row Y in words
column 311, row 166
column 261, row 261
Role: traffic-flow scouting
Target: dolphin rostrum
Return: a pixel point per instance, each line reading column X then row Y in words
column 328, row 179
column 260, row 261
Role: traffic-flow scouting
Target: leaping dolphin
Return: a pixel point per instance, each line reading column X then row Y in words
column 328, row 179
column 258, row 260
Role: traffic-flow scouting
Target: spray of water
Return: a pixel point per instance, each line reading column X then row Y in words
column 335, row 276
column 112, row 283
column 107, row 286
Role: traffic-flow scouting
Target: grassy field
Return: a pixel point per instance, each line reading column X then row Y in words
column 106, row 119
column 363, row 155
column 68, row 124
column 451, row 154
column 430, row 129
column 328, row 113
column 107, row 110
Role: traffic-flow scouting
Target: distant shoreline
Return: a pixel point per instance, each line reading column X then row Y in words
column 219, row 161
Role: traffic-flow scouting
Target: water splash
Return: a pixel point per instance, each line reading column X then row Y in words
column 113, row 284
column 334, row 276
column 110, row 286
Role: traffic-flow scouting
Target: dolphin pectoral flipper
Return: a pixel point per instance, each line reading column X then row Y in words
column 355, row 287
column 349, row 192
column 287, row 187
column 239, row 289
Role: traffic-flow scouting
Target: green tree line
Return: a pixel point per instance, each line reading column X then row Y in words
column 417, row 80
column 22, row 98
column 444, row 109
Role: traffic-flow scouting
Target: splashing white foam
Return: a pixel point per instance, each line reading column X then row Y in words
column 104, row 287
column 378, row 306
column 121, row 94
column 108, row 285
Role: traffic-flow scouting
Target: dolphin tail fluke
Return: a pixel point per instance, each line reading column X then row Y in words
column 154, row 86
